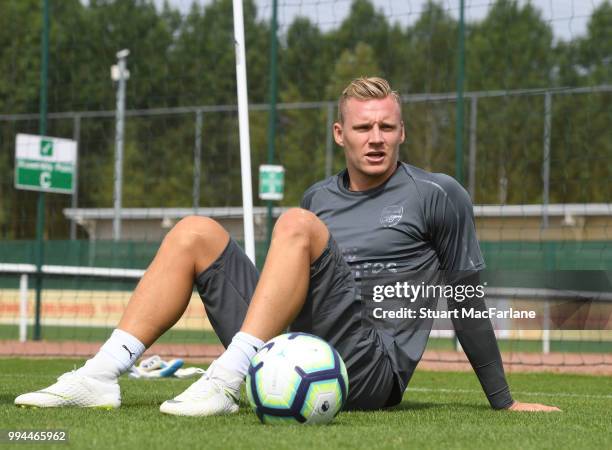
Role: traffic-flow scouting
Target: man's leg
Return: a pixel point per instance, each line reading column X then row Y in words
column 298, row 239
column 228, row 286
column 305, row 283
column 163, row 293
column 157, row 303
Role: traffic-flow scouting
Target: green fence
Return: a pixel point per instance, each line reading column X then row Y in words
column 506, row 255
column 85, row 253
column 122, row 254
column 520, row 256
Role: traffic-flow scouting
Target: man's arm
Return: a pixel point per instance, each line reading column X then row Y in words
column 451, row 220
column 480, row 346
column 532, row 407
column 479, row 343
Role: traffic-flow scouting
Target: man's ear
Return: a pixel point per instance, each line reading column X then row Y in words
column 403, row 132
column 338, row 136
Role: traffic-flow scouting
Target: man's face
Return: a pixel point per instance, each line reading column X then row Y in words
column 370, row 135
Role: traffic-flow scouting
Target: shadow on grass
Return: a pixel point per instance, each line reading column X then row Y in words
column 416, row 406
column 8, row 399
column 413, row 406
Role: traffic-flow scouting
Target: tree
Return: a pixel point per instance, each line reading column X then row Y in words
column 188, row 60
column 305, row 61
column 366, row 25
column 352, row 64
column 596, row 49
column 510, row 49
column 431, row 53
column 197, row 67
column 581, row 140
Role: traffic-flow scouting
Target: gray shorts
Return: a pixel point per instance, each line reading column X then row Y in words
column 331, row 311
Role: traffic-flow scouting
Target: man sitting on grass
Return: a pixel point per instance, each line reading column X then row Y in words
column 378, row 216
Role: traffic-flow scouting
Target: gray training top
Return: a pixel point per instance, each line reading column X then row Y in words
column 415, row 221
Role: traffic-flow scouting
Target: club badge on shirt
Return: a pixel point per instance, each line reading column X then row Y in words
column 391, row 215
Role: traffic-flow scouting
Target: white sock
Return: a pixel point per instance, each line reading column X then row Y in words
column 238, row 354
column 115, row 357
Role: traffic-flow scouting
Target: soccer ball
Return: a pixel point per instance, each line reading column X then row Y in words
column 297, row 378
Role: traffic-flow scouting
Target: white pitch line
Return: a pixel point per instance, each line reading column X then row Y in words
column 545, row 394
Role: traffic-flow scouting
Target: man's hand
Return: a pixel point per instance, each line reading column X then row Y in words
column 532, row 407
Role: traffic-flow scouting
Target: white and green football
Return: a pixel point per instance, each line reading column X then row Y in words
column 297, row 378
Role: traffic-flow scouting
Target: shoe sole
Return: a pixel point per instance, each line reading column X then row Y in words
column 224, row 413
column 104, row 407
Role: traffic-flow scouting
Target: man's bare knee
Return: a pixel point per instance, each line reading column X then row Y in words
column 202, row 238
column 295, row 223
column 303, row 229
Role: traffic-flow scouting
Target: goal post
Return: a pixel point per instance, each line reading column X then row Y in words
column 243, row 125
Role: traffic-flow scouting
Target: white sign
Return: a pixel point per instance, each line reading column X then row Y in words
column 45, row 163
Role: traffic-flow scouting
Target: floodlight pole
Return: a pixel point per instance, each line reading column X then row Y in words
column 40, row 207
column 243, row 127
column 120, row 74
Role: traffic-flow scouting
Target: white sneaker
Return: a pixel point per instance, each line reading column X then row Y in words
column 77, row 390
column 216, row 393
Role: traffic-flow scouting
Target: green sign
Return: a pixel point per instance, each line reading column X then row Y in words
column 45, row 163
column 46, row 147
column 271, row 182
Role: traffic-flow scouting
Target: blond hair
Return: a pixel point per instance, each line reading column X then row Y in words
column 366, row 88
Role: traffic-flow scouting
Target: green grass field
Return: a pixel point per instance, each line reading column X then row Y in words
column 440, row 410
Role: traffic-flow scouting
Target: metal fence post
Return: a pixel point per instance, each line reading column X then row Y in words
column 546, row 157
column 459, row 101
column 40, row 207
column 197, row 161
column 472, row 156
column 329, row 141
column 23, row 307
column 74, row 201
column 546, row 329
